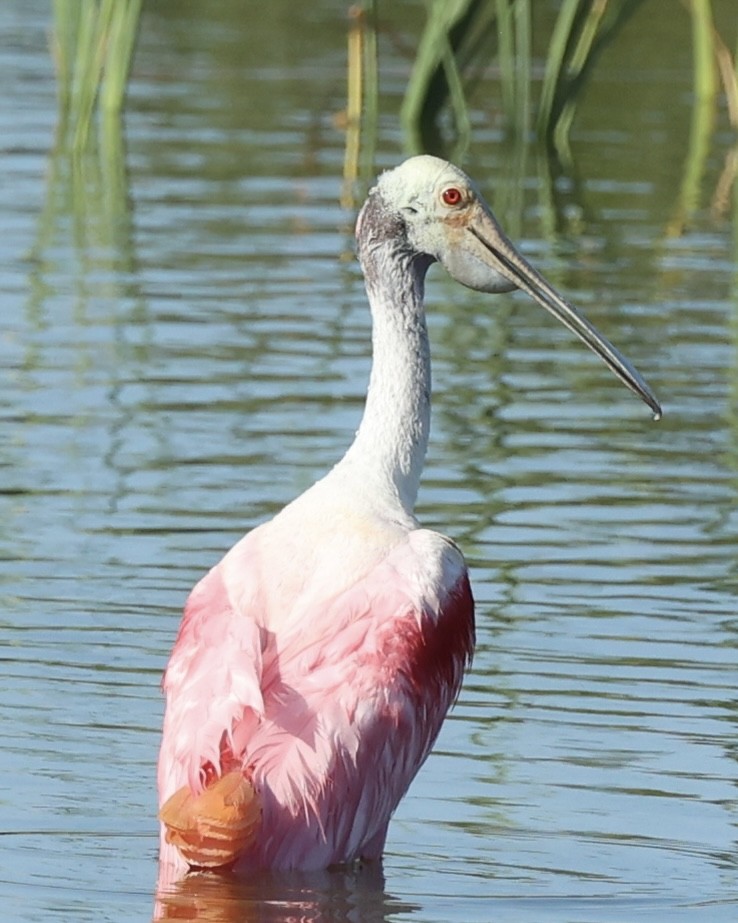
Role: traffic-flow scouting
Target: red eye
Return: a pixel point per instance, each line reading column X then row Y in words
column 452, row 196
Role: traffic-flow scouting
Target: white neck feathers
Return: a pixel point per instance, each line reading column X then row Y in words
column 390, row 445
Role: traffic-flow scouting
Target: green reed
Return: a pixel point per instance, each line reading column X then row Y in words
column 456, row 38
column 87, row 199
column 463, row 38
column 362, row 105
column 93, row 43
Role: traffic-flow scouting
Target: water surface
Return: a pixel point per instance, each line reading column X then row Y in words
column 184, row 348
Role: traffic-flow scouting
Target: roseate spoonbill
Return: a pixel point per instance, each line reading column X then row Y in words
column 316, row 662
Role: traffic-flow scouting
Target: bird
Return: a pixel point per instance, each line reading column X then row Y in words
column 316, row 662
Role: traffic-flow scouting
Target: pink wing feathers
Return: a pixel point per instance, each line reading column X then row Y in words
column 212, row 683
column 333, row 720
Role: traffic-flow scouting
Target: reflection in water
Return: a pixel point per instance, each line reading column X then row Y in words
column 341, row 895
column 88, row 209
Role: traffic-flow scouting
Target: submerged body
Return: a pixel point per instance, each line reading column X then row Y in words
column 316, row 662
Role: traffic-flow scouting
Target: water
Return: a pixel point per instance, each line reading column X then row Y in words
column 184, row 348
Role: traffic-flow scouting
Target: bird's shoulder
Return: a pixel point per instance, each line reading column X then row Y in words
column 294, row 570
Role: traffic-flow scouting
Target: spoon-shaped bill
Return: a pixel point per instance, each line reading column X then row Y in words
column 491, row 261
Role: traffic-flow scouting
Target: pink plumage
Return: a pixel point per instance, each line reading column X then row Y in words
column 316, row 662
column 330, row 718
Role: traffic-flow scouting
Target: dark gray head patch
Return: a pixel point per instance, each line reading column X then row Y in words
column 378, row 224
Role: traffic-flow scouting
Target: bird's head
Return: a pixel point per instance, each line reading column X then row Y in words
column 440, row 208
column 431, row 210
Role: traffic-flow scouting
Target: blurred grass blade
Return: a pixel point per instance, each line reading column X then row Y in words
column 362, row 104
column 371, row 90
column 554, row 72
column 93, row 44
column 584, row 28
column 121, row 43
column 426, row 90
column 704, row 109
column 523, row 68
column 457, row 97
column 506, row 58
column 703, row 49
column 728, row 69
column 455, row 33
column 354, row 100
column 514, row 54
column 459, row 37
column 581, row 55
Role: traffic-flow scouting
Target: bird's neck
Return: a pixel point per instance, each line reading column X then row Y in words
column 388, row 452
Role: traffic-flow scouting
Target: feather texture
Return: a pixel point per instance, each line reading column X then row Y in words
column 362, row 683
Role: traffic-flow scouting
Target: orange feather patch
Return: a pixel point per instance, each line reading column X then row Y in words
column 212, row 828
